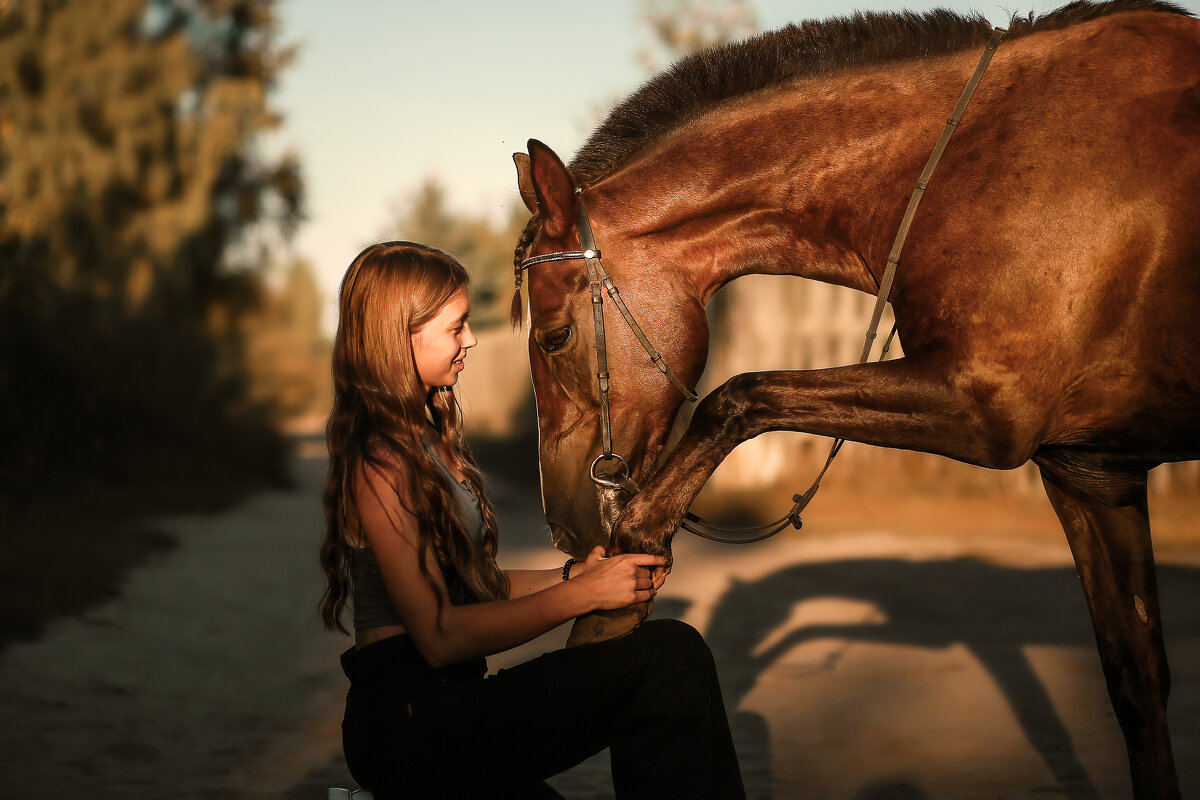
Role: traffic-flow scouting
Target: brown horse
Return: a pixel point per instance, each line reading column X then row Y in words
column 1047, row 296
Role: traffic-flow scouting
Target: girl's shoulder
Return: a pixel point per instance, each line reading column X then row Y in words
column 388, row 461
column 382, row 451
column 384, row 463
column 382, row 485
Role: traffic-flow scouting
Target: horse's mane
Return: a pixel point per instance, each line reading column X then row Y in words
column 705, row 80
column 708, row 78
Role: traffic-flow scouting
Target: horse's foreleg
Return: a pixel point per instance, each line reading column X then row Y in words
column 905, row 404
column 1104, row 514
column 600, row 626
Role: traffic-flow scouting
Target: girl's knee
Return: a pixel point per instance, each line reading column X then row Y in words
column 673, row 632
column 678, row 674
column 676, row 642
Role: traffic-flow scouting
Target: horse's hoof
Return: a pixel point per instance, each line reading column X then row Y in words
column 600, row 626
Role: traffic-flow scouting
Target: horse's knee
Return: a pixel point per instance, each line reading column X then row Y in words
column 727, row 410
column 1140, row 700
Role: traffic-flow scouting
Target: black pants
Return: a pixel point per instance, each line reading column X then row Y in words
column 651, row 697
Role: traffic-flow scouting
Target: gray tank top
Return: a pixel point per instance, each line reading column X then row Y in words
column 372, row 606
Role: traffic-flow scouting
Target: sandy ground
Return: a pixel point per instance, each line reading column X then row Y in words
column 927, row 650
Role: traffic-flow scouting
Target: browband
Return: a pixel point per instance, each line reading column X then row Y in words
column 566, row 255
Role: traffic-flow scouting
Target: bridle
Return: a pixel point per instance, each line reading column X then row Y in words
column 600, row 282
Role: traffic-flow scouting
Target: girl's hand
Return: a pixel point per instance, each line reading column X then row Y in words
column 621, row 580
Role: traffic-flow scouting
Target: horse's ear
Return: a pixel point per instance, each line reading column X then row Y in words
column 553, row 187
column 525, row 182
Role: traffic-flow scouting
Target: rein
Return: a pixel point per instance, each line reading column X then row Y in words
column 599, row 279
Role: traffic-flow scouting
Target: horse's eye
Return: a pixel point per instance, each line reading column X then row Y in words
column 556, row 339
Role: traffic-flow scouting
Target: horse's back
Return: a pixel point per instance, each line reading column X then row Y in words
column 1080, row 173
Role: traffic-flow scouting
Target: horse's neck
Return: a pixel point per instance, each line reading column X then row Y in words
column 809, row 182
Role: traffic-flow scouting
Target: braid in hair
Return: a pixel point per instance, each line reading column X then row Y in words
column 517, row 315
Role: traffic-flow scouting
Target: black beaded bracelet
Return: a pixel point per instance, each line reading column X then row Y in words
column 567, row 569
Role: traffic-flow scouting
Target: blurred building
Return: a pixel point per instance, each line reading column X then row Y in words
column 495, row 390
column 769, row 322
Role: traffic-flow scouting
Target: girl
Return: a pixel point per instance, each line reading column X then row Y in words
column 411, row 541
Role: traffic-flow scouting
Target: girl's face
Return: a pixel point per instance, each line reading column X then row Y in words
column 441, row 345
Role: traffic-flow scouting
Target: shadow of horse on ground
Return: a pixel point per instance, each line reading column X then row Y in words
column 995, row 611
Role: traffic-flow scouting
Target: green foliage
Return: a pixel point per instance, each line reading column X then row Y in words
column 127, row 173
column 485, row 247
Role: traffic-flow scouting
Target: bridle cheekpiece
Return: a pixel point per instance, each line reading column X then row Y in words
column 600, row 282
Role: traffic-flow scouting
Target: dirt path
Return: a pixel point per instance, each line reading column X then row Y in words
column 200, row 680
column 866, row 659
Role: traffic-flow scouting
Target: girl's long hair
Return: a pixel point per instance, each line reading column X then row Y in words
column 381, row 411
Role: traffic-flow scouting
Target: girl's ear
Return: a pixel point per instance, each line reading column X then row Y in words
column 553, row 188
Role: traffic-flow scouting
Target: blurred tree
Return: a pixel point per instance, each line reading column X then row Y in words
column 128, row 174
column 680, row 27
column 287, row 354
column 485, row 247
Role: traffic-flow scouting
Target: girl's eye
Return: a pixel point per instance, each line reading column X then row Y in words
column 556, row 339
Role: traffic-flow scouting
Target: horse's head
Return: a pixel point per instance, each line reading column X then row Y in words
column 563, row 354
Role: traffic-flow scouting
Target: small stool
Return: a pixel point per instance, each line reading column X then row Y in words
column 350, row 794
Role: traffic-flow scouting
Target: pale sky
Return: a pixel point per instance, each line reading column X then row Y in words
column 385, row 93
